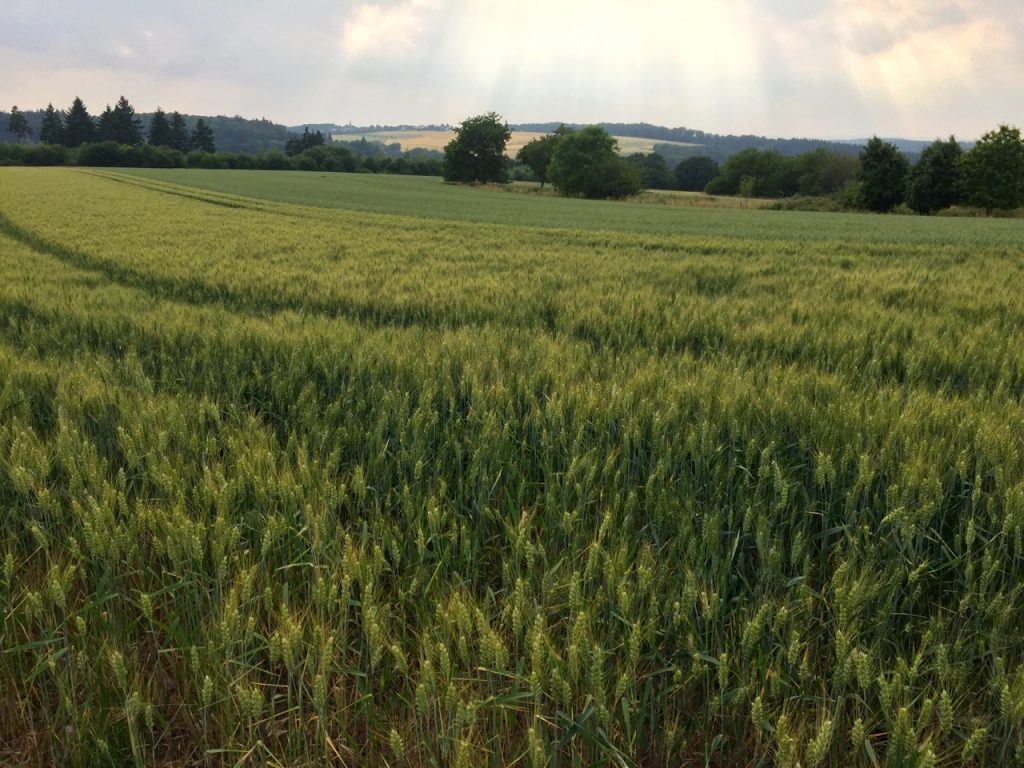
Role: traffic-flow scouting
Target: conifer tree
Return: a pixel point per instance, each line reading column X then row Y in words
column 202, row 137
column 160, row 129
column 179, row 132
column 52, row 129
column 106, row 130
column 78, row 125
column 127, row 126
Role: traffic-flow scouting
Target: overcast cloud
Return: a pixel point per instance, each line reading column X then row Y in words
column 828, row 68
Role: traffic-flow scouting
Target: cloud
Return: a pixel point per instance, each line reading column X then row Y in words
column 380, row 31
column 783, row 67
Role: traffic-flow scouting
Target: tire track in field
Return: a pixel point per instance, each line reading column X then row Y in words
column 209, row 198
column 700, row 342
column 197, row 292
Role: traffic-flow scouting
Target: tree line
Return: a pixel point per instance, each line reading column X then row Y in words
column 73, row 127
column 118, row 137
column 584, row 162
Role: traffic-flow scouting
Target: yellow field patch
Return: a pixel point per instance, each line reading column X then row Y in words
column 437, row 140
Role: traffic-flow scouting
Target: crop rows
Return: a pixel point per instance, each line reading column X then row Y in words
column 294, row 486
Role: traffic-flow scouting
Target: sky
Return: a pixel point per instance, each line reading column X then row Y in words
column 806, row 68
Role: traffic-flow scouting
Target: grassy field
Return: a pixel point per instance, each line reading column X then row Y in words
column 319, row 484
column 438, row 139
column 428, row 198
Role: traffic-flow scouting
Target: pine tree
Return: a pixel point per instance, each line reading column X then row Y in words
column 52, row 129
column 128, row 127
column 160, row 129
column 78, row 125
column 179, row 133
column 202, row 137
column 18, row 124
column 106, row 128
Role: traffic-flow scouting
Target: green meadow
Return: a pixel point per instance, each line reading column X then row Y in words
column 302, row 470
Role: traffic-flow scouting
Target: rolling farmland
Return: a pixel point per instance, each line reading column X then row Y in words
column 436, row 140
column 377, row 471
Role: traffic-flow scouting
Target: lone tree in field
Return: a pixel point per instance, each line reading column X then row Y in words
column 202, row 137
column 537, row 153
column 992, row 174
column 52, row 129
column 477, row 153
column 585, row 163
column 78, row 125
column 160, row 129
column 933, row 182
column 18, row 124
column 883, row 175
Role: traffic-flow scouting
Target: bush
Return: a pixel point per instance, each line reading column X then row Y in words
column 45, row 154
column 105, row 154
column 208, row 160
column 774, row 175
column 274, row 160
column 148, row 156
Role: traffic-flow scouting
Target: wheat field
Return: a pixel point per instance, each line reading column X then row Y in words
column 300, row 485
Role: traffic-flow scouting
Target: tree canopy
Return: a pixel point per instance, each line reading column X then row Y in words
column 585, row 163
column 992, row 173
column 202, row 137
column 125, row 126
column 17, row 124
column 296, row 145
column 477, row 153
column 536, row 154
column 653, row 170
column 774, row 175
column 883, row 175
column 932, row 182
column 78, row 125
column 179, row 132
column 52, row 129
column 160, row 129
column 695, row 173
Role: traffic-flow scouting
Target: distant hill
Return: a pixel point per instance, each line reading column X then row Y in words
column 909, row 147
column 358, row 130
column 239, row 134
column 719, row 146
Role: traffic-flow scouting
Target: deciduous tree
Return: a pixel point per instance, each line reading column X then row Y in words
column 694, row 173
column 992, row 173
column 586, row 163
column 653, row 170
column 932, row 183
column 18, row 124
column 477, row 153
column 537, row 153
column 883, row 175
